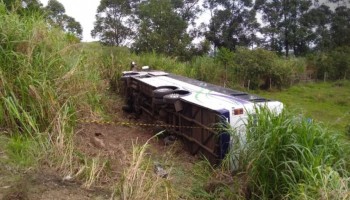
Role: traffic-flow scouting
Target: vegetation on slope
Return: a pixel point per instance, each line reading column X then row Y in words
column 45, row 80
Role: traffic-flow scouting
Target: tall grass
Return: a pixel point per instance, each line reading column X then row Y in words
column 46, row 81
column 289, row 157
column 140, row 181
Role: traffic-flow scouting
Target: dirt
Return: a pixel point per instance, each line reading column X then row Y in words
column 107, row 141
column 115, row 143
column 47, row 185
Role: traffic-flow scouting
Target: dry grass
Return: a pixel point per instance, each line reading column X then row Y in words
column 139, row 180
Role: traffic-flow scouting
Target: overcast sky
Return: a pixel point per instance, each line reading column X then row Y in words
column 83, row 11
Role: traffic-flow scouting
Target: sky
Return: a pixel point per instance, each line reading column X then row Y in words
column 83, row 11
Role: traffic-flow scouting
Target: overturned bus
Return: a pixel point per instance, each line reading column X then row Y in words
column 192, row 109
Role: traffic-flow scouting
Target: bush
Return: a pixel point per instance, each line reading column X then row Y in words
column 336, row 64
column 205, row 69
column 264, row 69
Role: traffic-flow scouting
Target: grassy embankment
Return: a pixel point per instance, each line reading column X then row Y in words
column 46, row 82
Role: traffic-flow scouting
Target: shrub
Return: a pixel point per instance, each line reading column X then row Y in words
column 255, row 66
column 205, row 69
column 336, row 63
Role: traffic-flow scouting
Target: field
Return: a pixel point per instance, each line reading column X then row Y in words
column 325, row 102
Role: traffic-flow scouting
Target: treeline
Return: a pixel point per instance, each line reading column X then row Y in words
column 240, row 69
column 169, row 26
column 54, row 13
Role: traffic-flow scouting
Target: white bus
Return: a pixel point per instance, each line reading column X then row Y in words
column 193, row 109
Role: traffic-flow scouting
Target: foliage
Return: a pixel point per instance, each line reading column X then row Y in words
column 287, row 156
column 57, row 17
column 319, row 20
column 224, row 56
column 23, row 7
column 205, row 69
column 22, row 67
column 233, row 24
column 43, row 76
column 47, row 81
column 22, row 151
column 336, row 63
column 169, row 28
column 284, row 24
column 340, row 29
column 138, row 181
column 264, row 69
column 111, row 24
column 161, row 29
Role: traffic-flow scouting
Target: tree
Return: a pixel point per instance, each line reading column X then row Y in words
column 162, row 28
column 187, row 9
column 233, row 23
column 57, row 17
column 111, row 22
column 340, row 29
column 23, row 7
column 336, row 63
column 225, row 57
column 319, row 21
column 56, row 12
column 283, row 24
column 74, row 27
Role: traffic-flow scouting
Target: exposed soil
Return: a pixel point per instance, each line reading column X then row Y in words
column 107, row 141
column 47, row 185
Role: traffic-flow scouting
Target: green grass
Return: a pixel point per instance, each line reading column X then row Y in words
column 46, row 81
column 288, row 157
column 325, row 102
column 20, row 151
